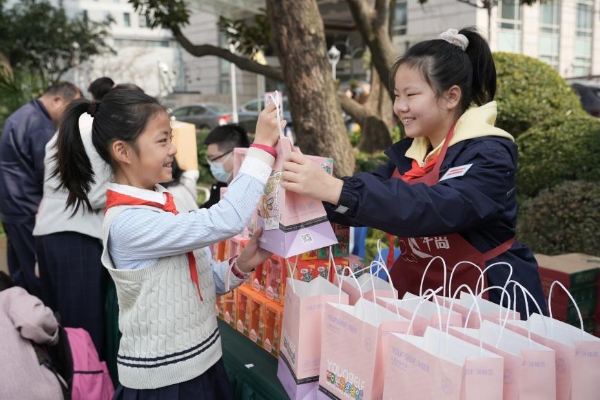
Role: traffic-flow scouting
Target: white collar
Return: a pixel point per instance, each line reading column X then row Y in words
column 142, row 194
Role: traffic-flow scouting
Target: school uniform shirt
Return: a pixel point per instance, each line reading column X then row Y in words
column 52, row 217
column 476, row 195
column 170, row 333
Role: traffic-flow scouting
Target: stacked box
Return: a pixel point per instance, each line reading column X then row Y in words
column 242, row 310
column 275, row 280
column 272, row 323
column 592, row 261
column 581, row 280
column 342, row 248
column 227, row 307
column 255, row 317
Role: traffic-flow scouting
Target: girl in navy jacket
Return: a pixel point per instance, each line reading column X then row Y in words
column 448, row 189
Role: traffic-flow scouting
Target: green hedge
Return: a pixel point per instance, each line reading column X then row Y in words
column 530, row 91
column 556, row 150
column 564, row 219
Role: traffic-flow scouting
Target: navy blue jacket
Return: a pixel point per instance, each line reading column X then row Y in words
column 481, row 205
column 22, row 148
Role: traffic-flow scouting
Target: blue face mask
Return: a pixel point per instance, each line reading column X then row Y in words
column 218, row 171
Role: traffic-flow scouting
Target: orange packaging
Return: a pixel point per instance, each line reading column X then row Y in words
column 276, row 275
column 242, row 309
column 272, row 322
column 259, row 277
column 184, row 140
column 227, row 308
column 256, row 305
column 307, row 270
column 310, row 255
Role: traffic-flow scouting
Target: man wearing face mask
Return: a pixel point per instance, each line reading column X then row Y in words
column 220, row 143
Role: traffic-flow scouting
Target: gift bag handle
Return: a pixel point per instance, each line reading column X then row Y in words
column 275, row 100
column 572, row 299
column 429, row 293
column 292, row 272
column 475, row 303
column 425, row 273
column 525, row 294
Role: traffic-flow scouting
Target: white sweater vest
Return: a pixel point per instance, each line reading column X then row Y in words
column 169, row 335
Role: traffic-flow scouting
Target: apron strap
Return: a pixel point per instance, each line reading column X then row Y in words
column 496, row 251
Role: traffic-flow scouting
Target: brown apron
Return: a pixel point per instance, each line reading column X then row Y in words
column 416, row 253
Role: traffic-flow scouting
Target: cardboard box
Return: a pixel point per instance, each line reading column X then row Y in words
column 572, row 272
column 276, row 276
column 242, row 309
column 184, row 140
column 256, row 308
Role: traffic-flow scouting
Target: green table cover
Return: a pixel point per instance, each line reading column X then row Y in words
column 256, row 383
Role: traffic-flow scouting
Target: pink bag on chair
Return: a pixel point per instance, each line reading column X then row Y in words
column 90, row 375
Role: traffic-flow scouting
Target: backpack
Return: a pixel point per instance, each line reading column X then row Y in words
column 91, row 380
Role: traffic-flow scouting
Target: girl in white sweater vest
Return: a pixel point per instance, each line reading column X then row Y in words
column 166, row 280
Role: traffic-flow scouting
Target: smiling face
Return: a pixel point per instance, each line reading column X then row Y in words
column 421, row 111
column 152, row 159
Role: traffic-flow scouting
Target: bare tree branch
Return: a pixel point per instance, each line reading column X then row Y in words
column 472, row 4
column 373, row 26
column 240, row 62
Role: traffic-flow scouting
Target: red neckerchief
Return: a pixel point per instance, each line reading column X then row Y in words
column 118, row 199
column 416, row 171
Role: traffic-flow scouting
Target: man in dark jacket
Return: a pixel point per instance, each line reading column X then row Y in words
column 220, row 143
column 22, row 150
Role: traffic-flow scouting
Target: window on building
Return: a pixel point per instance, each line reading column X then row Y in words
column 582, row 64
column 142, row 21
column 510, row 23
column 550, row 32
column 400, row 17
column 126, row 19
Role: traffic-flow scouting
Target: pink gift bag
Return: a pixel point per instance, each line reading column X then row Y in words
column 353, row 349
column 371, row 286
column 424, row 313
column 439, row 366
column 300, row 353
column 528, row 366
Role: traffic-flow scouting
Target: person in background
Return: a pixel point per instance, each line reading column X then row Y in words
column 183, row 187
column 159, row 258
column 100, row 87
column 449, row 188
column 22, row 149
column 68, row 242
column 220, row 143
column 25, row 322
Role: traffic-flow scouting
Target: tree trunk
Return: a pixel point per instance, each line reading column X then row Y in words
column 299, row 40
column 375, row 131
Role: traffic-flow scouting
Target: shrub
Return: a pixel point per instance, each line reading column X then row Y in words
column 556, row 150
column 564, row 219
column 366, row 162
column 529, row 92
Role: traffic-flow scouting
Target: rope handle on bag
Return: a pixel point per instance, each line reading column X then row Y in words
column 525, row 294
column 425, row 273
column 429, row 293
column 476, row 304
column 357, row 285
column 292, row 271
column 574, row 304
column 278, row 111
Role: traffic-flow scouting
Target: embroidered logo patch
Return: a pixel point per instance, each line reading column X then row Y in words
column 456, row 172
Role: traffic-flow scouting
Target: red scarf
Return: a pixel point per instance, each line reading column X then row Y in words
column 118, row 199
column 416, row 171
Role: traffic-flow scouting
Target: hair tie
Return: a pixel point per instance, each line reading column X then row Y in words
column 458, row 39
column 92, row 108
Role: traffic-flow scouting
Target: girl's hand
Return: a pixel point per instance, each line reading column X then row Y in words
column 252, row 256
column 306, row 177
column 267, row 128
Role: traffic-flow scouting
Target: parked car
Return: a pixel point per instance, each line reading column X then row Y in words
column 589, row 94
column 203, row 115
column 248, row 113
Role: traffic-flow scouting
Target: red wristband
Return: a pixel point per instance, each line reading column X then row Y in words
column 268, row 149
column 235, row 270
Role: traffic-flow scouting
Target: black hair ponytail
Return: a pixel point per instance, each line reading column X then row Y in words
column 73, row 166
column 484, row 70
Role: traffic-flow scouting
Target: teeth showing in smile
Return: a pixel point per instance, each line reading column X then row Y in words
column 167, row 165
column 406, row 120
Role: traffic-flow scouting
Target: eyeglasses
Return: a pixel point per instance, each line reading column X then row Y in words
column 215, row 159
